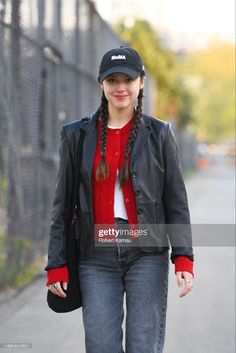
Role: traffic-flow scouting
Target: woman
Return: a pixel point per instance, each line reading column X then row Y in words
column 130, row 178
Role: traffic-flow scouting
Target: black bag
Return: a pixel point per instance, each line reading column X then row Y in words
column 73, row 300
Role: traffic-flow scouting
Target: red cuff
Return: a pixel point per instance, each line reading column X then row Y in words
column 183, row 263
column 59, row 274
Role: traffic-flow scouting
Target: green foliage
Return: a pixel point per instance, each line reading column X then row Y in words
column 158, row 60
column 210, row 75
column 2, row 250
column 16, row 271
column 172, row 98
column 197, row 89
column 189, row 172
column 3, row 191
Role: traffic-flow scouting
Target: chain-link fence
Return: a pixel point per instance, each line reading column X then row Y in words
column 49, row 56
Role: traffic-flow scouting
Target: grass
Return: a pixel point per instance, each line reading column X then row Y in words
column 16, row 273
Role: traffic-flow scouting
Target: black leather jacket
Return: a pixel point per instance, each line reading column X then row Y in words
column 157, row 181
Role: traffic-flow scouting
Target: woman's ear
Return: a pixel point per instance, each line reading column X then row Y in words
column 142, row 79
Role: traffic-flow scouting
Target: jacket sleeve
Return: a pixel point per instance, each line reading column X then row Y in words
column 61, row 210
column 60, row 274
column 182, row 263
column 175, row 201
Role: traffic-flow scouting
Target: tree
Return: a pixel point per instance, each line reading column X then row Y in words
column 210, row 74
column 172, row 98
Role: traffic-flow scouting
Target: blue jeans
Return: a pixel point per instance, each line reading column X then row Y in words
column 104, row 278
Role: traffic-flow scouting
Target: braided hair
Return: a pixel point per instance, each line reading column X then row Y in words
column 102, row 168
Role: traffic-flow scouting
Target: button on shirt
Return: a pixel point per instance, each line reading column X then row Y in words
column 108, row 200
column 104, row 202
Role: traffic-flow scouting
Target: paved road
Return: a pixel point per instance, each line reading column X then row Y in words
column 202, row 322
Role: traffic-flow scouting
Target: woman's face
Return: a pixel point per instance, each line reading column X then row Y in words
column 121, row 90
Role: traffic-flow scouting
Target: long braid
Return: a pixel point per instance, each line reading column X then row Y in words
column 124, row 170
column 102, row 168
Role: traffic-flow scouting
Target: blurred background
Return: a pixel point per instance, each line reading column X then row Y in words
column 49, row 56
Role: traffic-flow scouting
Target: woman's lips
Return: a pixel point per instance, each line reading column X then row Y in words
column 120, row 97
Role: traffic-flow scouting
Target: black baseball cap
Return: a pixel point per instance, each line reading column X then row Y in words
column 123, row 60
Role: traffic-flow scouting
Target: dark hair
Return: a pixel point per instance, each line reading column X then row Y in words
column 102, row 168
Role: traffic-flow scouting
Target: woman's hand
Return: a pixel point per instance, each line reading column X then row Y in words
column 185, row 278
column 56, row 288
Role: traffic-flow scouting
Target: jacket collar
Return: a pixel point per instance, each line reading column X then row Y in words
column 91, row 123
column 90, row 127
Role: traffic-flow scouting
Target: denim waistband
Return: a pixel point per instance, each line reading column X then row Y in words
column 121, row 220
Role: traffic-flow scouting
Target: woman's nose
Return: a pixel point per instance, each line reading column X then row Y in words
column 121, row 86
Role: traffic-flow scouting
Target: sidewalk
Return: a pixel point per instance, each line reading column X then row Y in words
column 203, row 321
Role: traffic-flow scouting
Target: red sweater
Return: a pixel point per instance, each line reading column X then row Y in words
column 103, row 191
column 103, row 194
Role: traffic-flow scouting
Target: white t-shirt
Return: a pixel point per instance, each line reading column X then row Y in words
column 119, row 205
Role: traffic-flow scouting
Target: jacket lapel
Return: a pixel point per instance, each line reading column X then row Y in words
column 141, row 138
column 90, row 140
